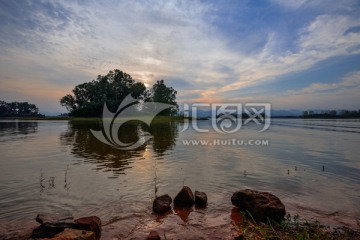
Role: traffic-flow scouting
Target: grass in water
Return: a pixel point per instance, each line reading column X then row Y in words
column 292, row 228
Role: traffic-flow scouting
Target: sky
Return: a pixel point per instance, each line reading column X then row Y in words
column 294, row 54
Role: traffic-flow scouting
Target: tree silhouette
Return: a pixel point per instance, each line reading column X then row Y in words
column 87, row 99
column 18, row 109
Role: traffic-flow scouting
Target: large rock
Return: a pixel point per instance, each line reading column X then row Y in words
column 261, row 205
column 55, row 220
column 74, row 234
column 162, row 204
column 53, row 226
column 185, row 198
column 44, row 232
column 200, row 199
column 92, row 223
column 153, row 235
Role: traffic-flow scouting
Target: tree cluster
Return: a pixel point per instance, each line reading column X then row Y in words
column 332, row 114
column 18, row 109
column 87, row 99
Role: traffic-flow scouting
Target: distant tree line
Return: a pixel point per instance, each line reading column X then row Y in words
column 18, row 109
column 87, row 99
column 243, row 115
column 332, row 114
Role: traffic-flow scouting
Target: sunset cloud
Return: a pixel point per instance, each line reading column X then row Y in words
column 191, row 45
column 350, row 81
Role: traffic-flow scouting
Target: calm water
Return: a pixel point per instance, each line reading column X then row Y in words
column 313, row 166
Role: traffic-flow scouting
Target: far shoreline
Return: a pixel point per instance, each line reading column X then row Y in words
column 162, row 118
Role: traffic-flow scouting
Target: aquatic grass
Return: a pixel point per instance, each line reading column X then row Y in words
column 291, row 228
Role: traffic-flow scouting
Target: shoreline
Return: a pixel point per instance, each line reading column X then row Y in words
column 196, row 223
column 162, row 118
column 242, row 219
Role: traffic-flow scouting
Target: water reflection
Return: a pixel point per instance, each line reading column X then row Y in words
column 85, row 147
column 165, row 135
column 322, row 165
column 17, row 128
column 183, row 213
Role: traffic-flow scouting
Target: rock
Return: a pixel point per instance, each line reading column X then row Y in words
column 200, row 199
column 184, row 198
column 92, row 223
column 261, row 205
column 44, row 232
column 162, row 204
column 52, row 224
column 59, row 226
column 74, row 234
column 154, row 235
column 55, row 220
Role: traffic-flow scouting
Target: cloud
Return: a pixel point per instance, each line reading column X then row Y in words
column 66, row 43
column 351, row 80
column 329, row 35
column 164, row 39
column 340, row 95
column 322, row 39
column 291, row 4
column 346, row 98
column 318, row 5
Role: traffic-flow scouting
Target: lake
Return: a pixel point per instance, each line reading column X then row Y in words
column 313, row 166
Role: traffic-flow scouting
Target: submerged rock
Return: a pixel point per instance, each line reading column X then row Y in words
column 52, row 224
column 55, row 220
column 153, row 235
column 185, row 198
column 200, row 199
column 74, row 234
column 60, row 226
column 261, row 205
column 162, row 204
column 44, row 232
column 92, row 223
